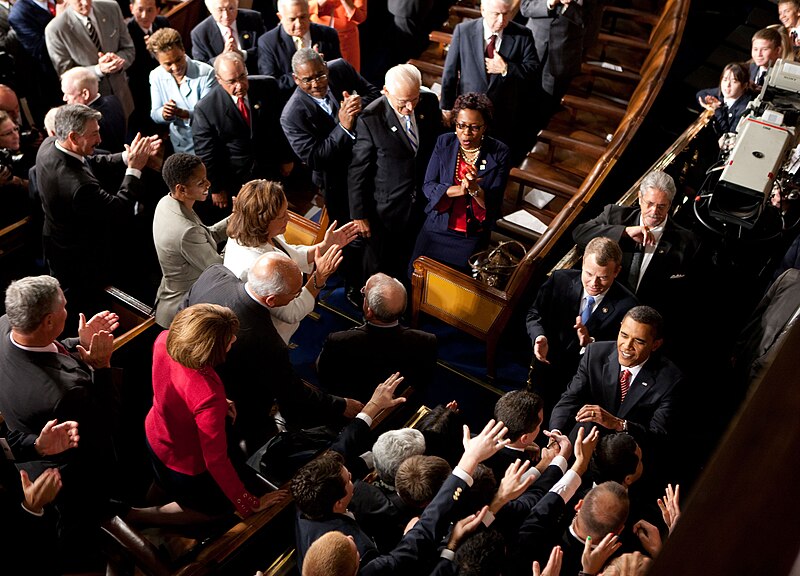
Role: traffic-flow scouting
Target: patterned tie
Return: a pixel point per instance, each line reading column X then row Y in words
column 624, row 383
column 298, row 42
column 93, row 34
column 410, row 132
column 490, row 46
column 51, row 6
column 242, row 106
column 587, row 311
column 227, row 32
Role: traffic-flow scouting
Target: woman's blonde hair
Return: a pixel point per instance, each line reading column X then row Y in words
column 258, row 203
column 199, row 335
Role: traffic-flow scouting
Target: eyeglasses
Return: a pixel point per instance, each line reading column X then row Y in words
column 313, row 79
column 238, row 80
column 469, row 127
column 403, row 103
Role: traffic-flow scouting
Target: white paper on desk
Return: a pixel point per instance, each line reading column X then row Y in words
column 538, row 198
column 526, row 220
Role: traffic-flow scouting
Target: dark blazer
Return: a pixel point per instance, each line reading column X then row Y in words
column 139, row 72
column 308, row 531
column 378, row 352
column 276, row 48
column 381, row 513
column 29, row 21
column 649, row 407
column 726, row 119
column 78, row 213
column 233, row 152
column 385, row 175
column 553, row 314
column 674, row 262
column 318, row 139
column 207, row 41
column 754, row 75
column 493, row 167
column 257, row 370
column 112, row 124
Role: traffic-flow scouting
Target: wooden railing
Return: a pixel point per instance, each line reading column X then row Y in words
column 483, row 311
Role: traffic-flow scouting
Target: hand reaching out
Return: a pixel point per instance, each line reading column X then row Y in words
column 670, row 506
column 108, row 321
column 553, row 567
column 593, row 559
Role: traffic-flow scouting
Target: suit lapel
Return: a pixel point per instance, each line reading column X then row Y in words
column 393, row 125
column 506, row 48
column 286, row 46
column 611, row 390
column 639, row 387
column 478, row 49
column 79, row 32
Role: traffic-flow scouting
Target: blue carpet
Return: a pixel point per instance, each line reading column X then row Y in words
column 461, row 372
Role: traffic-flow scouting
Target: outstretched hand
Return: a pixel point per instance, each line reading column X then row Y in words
column 383, row 397
column 479, row 448
column 105, row 320
column 670, row 506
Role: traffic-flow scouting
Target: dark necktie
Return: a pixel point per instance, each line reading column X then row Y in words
column 587, row 311
column 93, row 34
column 490, row 46
column 636, row 266
column 624, row 383
column 760, row 76
column 242, row 105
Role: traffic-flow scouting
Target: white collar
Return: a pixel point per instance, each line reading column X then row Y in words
column 70, row 153
column 49, row 348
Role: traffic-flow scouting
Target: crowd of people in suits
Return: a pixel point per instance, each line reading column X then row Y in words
column 202, row 160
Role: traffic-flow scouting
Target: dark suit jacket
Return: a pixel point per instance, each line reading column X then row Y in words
column 139, row 72
column 257, row 370
column 649, row 407
column 385, row 175
column 465, row 71
column 79, row 214
column 318, row 139
column 381, row 513
column 29, row 21
column 674, row 262
column 308, row 531
column 207, row 41
column 726, row 119
column 233, row 152
column 276, row 48
column 112, row 124
column 353, row 362
column 553, row 315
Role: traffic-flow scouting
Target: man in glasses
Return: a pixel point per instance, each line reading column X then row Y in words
column 320, row 123
column 395, row 139
column 237, row 133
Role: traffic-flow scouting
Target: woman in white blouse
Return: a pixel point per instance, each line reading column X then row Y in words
column 259, row 219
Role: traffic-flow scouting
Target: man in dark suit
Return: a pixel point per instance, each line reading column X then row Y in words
column 237, row 133
column 41, row 380
column 497, row 57
column 396, row 136
column 257, row 372
column 659, row 257
column 379, row 347
column 323, row 138
column 28, row 20
column 145, row 21
column 228, row 29
column 79, row 215
column 295, row 31
column 80, row 86
column 623, row 385
column 558, row 29
column 522, row 413
column 556, row 324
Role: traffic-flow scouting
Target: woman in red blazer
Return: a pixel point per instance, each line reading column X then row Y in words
column 185, row 428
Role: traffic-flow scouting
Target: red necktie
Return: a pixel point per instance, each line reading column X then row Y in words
column 243, row 109
column 490, row 46
column 624, row 383
column 52, row 7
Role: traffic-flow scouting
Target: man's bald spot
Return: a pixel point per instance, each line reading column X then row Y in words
column 274, row 273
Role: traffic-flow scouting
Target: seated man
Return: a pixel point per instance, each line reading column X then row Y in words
column 228, row 29
column 322, row 490
column 572, row 309
column 257, row 371
column 624, row 385
column 81, row 86
column 295, row 31
column 379, row 347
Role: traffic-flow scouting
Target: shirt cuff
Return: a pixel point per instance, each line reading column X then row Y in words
column 463, row 475
column 561, row 462
column 136, row 173
column 567, row 486
column 532, row 471
column 97, row 71
column 448, row 554
column 346, row 131
column 365, row 417
column 31, row 512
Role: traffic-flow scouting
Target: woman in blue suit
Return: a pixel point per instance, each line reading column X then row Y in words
column 464, row 185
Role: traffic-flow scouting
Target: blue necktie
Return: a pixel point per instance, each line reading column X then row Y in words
column 410, row 131
column 587, row 311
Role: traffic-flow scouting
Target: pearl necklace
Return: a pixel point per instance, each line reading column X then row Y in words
column 469, row 156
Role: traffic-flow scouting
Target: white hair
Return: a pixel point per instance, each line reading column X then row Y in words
column 402, row 76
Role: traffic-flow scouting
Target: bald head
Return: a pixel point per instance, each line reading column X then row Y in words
column 384, row 299
column 604, row 509
column 332, row 554
column 275, row 279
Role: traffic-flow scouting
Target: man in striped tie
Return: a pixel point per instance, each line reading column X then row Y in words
column 625, row 385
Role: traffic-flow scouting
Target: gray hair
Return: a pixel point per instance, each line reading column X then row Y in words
column 402, row 75
column 228, row 57
column 82, row 78
column 304, row 56
column 383, row 295
column 392, row 448
column 286, row 3
column 271, row 279
column 50, row 121
column 660, row 181
column 29, row 300
column 73, row 118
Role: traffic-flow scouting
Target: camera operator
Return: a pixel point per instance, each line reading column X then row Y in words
column 13, row 172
